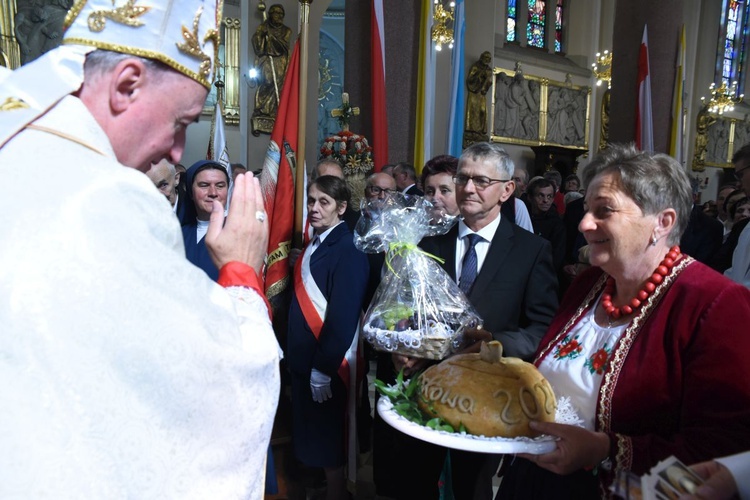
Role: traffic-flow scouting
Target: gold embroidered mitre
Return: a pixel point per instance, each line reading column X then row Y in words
column 183, row 34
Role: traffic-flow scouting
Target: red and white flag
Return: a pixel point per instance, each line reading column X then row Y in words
column 277, row 181
column 379, row 118
column 644, row 123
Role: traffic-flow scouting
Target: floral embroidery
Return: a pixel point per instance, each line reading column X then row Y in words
column 569, row 348
column 597, row 363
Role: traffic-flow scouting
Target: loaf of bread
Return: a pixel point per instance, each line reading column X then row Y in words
column 487, row 393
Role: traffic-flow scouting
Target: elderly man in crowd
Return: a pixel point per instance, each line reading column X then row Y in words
column 327, row 166
column 406, row 179
column 521, row 179
column 379, row 185
column 547, row 223
column 164, row 177
column 508, row 276
column 123, row 384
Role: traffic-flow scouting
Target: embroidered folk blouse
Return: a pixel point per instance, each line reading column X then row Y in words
column 577, row 364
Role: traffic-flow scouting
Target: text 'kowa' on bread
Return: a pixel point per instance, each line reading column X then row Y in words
column 490, row 395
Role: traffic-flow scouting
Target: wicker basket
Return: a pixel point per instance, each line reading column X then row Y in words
column 409, row 343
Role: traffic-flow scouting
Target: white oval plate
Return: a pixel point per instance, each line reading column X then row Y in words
column 463, row 441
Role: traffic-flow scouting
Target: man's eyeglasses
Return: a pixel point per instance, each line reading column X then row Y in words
column 376, row 190
column 480, row 181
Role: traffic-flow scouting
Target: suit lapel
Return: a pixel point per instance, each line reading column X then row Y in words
column 338, row 232
column 447, row 250
column 499, row 249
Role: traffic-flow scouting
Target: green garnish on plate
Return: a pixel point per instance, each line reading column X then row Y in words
column 404, row 396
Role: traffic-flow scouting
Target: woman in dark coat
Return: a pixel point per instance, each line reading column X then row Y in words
column 330, row 279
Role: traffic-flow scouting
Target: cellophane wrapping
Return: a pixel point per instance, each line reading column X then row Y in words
column 417, row 309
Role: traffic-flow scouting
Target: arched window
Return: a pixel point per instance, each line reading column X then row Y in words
column 535, row 23
column 731, row 56
column 535, row 27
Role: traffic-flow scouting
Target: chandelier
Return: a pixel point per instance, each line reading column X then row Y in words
column 722, row 99
column 441, row 33
column 602, row 68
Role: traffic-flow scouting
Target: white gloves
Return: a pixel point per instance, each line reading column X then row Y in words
column 320, row 385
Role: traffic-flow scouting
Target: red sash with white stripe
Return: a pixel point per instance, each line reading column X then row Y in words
column 313, row 304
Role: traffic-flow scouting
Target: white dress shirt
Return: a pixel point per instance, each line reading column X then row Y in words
column 740, row 270
column 482, row 247
column 523, row 219
column 317, row 240
column 739, row 466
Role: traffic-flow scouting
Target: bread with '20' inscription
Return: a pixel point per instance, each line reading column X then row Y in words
column 487, row 393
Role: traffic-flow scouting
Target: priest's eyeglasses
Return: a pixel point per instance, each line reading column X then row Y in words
column 480, row 181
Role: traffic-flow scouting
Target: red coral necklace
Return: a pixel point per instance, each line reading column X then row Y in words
column 661, row 271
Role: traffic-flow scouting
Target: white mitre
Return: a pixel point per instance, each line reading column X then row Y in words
column 183, row 34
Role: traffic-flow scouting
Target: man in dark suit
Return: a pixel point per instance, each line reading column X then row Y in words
column 508, row 276
column 703, row 236
column 406, row 179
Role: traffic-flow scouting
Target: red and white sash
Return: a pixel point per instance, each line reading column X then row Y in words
column 314, row 306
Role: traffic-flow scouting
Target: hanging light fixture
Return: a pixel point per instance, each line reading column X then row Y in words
column 602, row 68
column 722, row 99
column 442, row 34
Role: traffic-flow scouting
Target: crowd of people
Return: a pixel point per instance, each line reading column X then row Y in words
column 629, row 279
column 139, row 352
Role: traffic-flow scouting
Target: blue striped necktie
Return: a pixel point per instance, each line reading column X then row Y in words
column 469, row 266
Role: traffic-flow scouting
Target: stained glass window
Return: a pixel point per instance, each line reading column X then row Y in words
column 535, row 21
column 731, row 58
column 535, row 27
column 558, row 26
column 511, row 28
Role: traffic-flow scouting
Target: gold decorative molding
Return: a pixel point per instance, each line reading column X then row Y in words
column 227, row 68
column 716, row 139
column 232, row 70
column 10, row 52
column 535, row 111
